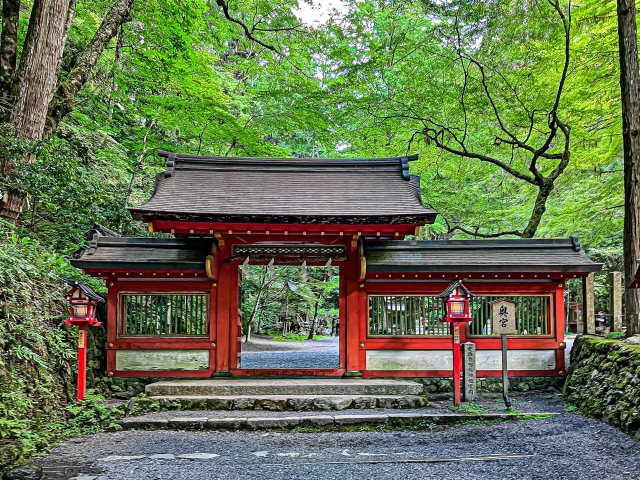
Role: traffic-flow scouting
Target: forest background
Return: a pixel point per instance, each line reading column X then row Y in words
column 513, row 106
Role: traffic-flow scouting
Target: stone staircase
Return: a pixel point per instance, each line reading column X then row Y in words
column 286, row 394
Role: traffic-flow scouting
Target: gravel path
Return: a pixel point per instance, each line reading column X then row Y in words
column 566, row 446
column 262, row 353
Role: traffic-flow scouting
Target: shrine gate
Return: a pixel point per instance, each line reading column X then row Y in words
column 356, row 212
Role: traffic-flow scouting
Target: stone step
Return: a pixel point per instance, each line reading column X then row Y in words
column 426, row 421
column 263, row 386
column 283, row 402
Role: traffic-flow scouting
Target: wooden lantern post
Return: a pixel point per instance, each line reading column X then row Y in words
column 83, row 303
column 455, row 300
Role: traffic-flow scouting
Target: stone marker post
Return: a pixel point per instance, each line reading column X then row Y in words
column 468, row 372
column 588, row 305
column 504, row 323
column 615, row 301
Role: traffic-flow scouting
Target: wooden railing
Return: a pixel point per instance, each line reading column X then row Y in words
column 164, row 315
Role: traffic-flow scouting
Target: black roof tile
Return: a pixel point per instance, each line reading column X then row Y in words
column 145, row 254
column 286, row 190
column 466, row 256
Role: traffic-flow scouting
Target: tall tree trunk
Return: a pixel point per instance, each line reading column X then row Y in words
column 314, row 321
column 38, row 74
column 116, row 66
column 139, row 163
column 630, row 89
column 260, row 315
column 62, row 103
column 263, row 284
column 8, row 55
column 539, row 208
column 39, row 68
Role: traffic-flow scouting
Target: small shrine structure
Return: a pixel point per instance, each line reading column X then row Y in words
column 173, row 304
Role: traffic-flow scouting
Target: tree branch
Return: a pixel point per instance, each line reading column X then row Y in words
column 484, row 235
column 247, row 33
column 62, row 103
column 433, row 135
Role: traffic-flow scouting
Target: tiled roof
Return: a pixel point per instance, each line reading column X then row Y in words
column 519, row 255
column 286, row 190
column 145, row 254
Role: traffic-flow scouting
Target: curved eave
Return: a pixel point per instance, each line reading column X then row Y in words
column 130, row 266
column 498, row 269
column 428, row 217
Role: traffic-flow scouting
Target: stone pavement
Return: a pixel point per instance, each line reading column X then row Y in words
column 564, row 446
column 262, row 353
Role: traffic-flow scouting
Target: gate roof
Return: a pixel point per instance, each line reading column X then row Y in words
column 553, row 255
column 286, row 190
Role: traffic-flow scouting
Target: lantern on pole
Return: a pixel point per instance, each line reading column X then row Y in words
column 83, row 304
column 455, row 300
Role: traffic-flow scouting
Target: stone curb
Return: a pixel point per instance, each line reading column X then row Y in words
column 318, row 421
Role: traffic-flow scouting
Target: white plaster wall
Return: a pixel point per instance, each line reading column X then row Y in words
column 136, row 360
column 516, row 359
column 409, row 360
column 443, row 360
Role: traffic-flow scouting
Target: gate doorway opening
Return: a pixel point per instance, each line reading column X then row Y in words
column 290, row 317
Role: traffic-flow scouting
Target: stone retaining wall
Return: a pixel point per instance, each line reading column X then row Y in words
column 604, row 381
column 494, row 384
column 122, row 388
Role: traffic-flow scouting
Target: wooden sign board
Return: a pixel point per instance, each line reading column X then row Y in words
column 504, row 318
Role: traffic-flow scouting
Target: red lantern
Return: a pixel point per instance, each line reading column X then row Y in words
column 456, row 303
column 455, row 300
column 83, row 304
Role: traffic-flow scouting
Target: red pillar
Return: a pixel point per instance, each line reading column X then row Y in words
column 112, row 328
column 224, row 318
column 559, row 328
column 354, row 294
column 457, row 363
column 82, row 362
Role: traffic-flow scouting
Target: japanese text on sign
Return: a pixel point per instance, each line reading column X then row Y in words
column 504, row 318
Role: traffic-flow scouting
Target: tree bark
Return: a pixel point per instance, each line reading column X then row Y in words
column 539, row 208
column 116, row 66
column 62, row 103
column 8, row 55
column 314, row 321
column 139, row 163
column 263, row 284
column 39, row 71
column 630, row 90
column 38, row 74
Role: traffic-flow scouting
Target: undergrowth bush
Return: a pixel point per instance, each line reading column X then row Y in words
column 38, row 356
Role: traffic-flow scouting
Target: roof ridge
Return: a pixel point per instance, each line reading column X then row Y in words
column 198, row 162
column 571, row 242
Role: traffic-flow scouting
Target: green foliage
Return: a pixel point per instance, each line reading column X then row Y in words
column 189, row 80
column 427, row 425
column 287, row 295
column 614, row 336
column 289, row 337
column 36, row 368
column 470, row 407
column 89, row 416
